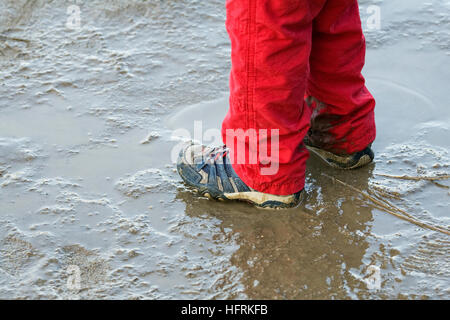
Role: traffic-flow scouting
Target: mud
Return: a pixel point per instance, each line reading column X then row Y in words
column 87, row 182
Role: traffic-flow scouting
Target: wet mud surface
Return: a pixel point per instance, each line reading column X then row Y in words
column 87, row 183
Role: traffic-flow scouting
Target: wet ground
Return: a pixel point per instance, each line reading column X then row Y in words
column 88, row 188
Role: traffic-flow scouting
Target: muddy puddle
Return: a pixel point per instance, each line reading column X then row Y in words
column 88, row 189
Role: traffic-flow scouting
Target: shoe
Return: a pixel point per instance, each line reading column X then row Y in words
column 339, row 161
column 209, row 171
column 345, row 162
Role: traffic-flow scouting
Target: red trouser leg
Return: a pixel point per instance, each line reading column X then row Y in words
column 342, row 120
column 271, row 47
column 271, row 43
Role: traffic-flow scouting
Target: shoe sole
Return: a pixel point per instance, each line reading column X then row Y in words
column 342, row 162
column 244, row 197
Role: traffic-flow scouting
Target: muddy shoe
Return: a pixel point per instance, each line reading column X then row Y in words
column 346, row 162
column 208, row 170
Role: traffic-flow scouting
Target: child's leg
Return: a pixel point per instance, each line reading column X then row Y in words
column 271, row 43
column 342, row 119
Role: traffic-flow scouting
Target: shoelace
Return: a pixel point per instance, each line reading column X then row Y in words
column 214, row 155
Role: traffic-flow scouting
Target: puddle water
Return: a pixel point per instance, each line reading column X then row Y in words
column 87, row 119
column 49, row 126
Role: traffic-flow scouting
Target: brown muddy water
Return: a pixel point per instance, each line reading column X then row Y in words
column 88, row 190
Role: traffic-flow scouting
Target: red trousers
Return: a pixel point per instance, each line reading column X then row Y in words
column 282, row 52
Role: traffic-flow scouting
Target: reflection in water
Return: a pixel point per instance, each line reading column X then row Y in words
column 308, row 252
